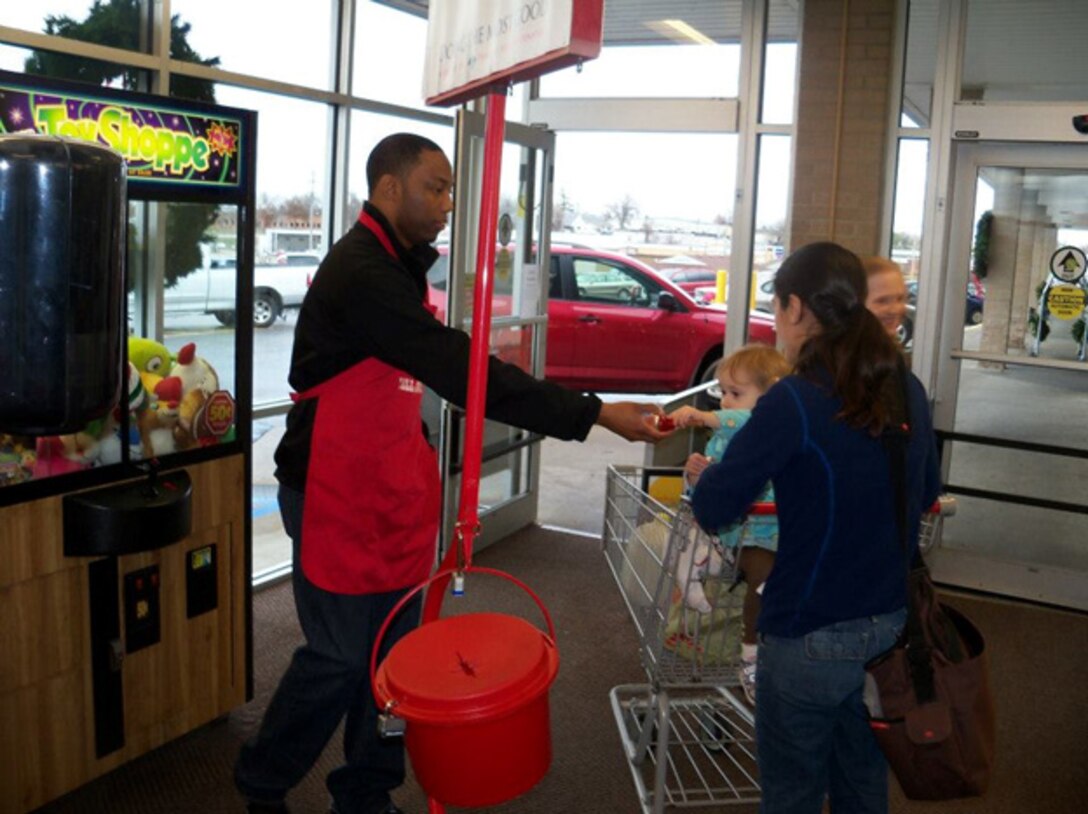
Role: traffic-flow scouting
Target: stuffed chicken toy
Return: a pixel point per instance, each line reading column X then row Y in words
column 197, row 381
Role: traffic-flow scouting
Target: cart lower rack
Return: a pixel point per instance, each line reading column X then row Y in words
column 689, row 739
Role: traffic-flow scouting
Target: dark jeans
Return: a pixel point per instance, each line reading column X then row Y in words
column 328, row 680
column 812, row 733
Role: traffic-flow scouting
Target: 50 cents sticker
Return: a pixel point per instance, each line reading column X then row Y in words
column 219, row 412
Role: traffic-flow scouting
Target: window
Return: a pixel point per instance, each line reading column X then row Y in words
column 780, row 62
column 367, row 129
column 599, row 281
column 80, row 20
column 644, row 56
column 921, row 63
column 611, row 184
column 387, row 63
column 276, row 39
column 291, row 197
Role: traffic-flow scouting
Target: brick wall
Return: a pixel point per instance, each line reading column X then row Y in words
column 842, row 118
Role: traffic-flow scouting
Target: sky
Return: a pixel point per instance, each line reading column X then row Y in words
column 668, row 175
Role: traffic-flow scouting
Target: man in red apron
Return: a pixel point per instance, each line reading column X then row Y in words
column 359, row 484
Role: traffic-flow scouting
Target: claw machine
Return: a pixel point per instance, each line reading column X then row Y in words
column 124, row 438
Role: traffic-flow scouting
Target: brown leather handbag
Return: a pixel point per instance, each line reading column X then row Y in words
column 929, row 699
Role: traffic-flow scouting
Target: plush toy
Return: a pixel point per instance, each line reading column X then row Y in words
column 151, row 359
column 86, row 445
column 161, row 419
column 199, row 383
column 110, row 442
column 155, row 416
column 60, row 454
column 171, row 409
column 697, row 560
column 138, row 405
column 194, row 371
column 17, row 457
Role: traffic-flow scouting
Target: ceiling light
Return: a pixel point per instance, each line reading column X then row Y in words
column 680, row 31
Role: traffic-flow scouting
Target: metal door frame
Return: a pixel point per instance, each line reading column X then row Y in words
column 521, row 510
column 1048, row 584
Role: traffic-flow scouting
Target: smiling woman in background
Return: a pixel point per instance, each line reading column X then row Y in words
column 887, row 297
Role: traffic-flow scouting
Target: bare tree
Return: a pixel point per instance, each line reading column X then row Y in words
column 299, row 207
column 561, row 210
column 266, row 212
column 774, row 230
column 623, row 211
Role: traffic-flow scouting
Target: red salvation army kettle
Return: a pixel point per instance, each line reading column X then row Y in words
column 472, row 691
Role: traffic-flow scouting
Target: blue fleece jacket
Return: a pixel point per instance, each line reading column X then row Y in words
column 839, row 552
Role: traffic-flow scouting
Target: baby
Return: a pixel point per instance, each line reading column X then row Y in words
column 743, row 376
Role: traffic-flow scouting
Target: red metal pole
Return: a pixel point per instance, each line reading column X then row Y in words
column 460, row 552
column 468, row 518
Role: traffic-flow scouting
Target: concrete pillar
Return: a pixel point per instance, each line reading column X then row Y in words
column 842, row 118
column 1004, row 249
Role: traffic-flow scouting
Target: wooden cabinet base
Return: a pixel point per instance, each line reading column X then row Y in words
column 105, row 659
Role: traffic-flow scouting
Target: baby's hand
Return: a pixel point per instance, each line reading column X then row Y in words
column 694, row 466
column 687, row 416
column 665, row 424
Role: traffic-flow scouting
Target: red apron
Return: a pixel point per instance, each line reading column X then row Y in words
column 373, row 495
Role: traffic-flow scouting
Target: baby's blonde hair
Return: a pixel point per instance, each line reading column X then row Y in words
column 763, row 363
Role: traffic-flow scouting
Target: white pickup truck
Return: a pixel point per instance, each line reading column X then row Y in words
column 210, row 290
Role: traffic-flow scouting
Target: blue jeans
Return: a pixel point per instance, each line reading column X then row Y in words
column 812, row 735
column 327, row 681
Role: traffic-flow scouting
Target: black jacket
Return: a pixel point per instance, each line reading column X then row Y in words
column 362, row 304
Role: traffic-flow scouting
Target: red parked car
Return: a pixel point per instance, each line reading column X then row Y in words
column 616, row 325
column 656, row 338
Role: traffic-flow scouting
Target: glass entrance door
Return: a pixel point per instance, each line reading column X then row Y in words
column 511, row 456
column 1011, row 401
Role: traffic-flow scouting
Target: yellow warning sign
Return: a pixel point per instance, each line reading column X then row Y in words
column 1065, row 301
column 504, row 265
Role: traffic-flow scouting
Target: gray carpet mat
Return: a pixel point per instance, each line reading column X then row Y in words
column 1039, row 660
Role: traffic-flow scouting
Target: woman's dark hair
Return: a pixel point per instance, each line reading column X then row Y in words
column 852, row 345
column 396, row 155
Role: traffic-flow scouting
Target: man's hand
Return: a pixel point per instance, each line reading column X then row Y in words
column 633, row 421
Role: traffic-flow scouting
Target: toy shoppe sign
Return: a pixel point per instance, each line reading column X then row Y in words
column 472, row 46
column 170, row 144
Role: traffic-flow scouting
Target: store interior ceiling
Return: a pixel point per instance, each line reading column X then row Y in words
column 1015, row 51
column 639, row 22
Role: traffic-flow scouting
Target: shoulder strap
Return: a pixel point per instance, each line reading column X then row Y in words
column 896, row 438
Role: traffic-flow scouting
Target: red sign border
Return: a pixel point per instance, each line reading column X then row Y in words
column 586, row 32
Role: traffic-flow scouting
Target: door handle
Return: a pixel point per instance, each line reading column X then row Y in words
column 590, row 318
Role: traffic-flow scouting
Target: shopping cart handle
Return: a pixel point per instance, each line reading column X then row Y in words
column 944, row 506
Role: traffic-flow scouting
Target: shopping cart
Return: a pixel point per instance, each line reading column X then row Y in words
column 689, row 739
column 929, row 533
